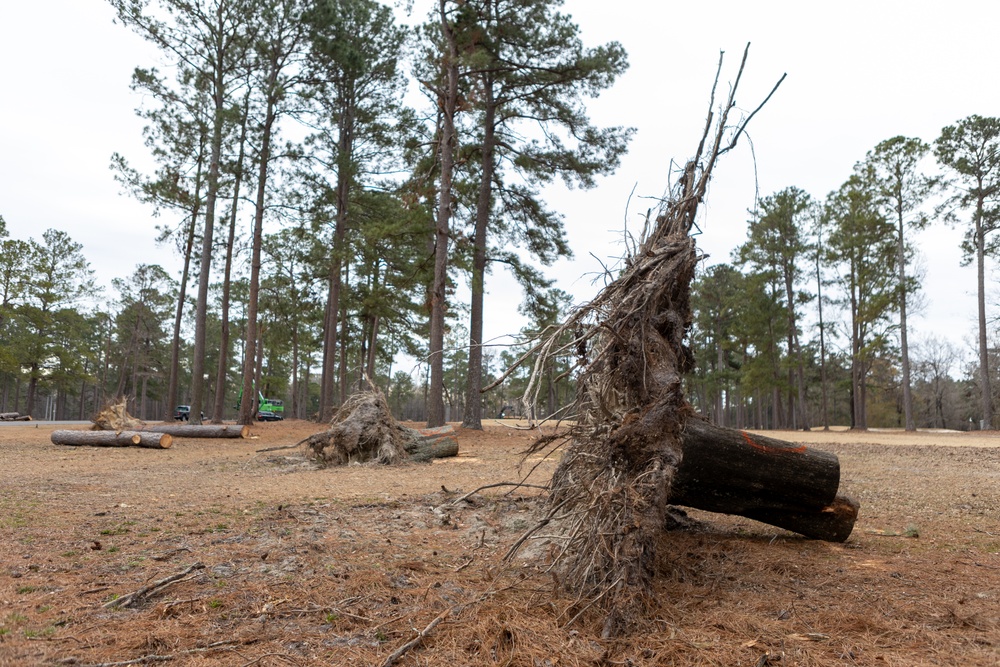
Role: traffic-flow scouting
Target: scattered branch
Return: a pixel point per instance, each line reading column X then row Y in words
column 155, row 587
column 516, row 485
column 401, row 651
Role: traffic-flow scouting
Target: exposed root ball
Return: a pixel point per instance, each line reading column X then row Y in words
column 610, row 491
column 114, row 417
column 364, row 430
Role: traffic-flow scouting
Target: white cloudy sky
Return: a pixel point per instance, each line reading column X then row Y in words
column 858, row 72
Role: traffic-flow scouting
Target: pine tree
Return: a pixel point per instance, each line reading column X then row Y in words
column 277, row 46
column 357, row 91
column 904, row 189
column 776, row 248
column 59, row 278
column 862, row 240
column 970, row 150
column 208, row 40
column 529, row 72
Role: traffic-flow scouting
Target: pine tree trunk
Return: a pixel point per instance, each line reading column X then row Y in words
column 473, row 417
column 345, row 333
column 328, row 397
column 207, row 246
column 32, row 389
column 222, row 371
column 249, row 404
column 295, row 370
column 442, row 230
column 908, row 422
column 984, row 357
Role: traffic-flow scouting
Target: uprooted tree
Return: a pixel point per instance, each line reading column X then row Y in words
column 622, row 456
column 364, row 430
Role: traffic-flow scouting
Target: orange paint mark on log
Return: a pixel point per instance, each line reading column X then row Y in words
column 773, row 450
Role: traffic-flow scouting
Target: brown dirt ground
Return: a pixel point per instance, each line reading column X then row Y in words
column 304, row 566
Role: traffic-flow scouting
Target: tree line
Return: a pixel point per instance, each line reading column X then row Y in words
column 332, row 178
column 324, row 222
column 807, row 325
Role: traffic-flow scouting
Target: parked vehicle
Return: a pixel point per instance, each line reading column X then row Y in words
column 183, row 413
column 268, row 416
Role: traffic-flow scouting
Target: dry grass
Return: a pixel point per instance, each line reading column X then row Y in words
column 307, row 566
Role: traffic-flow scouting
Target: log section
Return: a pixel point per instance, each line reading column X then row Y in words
column 202, row 431
column 780, row 483
column 112, row 439
column 432, row 448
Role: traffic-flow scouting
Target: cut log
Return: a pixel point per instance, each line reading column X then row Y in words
column 780, row 483
column 14, row 417
column 112, row 439
column 200, row 431
column 432, row 448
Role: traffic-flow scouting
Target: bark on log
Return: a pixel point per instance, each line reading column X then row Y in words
column 833, row 523
column 780, row 483
column 112, row 439
column 202, row 431
column 433, row 448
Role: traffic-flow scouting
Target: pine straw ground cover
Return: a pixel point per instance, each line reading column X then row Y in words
column 281, row 563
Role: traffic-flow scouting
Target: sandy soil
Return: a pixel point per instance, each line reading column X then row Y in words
column 281, row 563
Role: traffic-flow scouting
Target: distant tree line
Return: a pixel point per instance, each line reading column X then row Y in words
column 327, row 223
column 807, row 326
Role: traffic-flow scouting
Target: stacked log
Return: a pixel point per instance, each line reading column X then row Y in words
column 14, row 417
column 115, row 417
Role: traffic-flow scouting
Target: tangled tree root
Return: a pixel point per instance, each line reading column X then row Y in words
column 611, row 489
column 364, row 430
column 115, row 417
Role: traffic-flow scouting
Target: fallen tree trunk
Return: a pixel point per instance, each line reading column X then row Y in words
column 780, row 483
column 435, row 447
column 14, row 417
column 200, row 431
column 112, row 439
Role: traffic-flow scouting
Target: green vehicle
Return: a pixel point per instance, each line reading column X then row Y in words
column 268, row 409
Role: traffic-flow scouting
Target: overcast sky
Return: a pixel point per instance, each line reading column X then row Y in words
column 858, row 72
